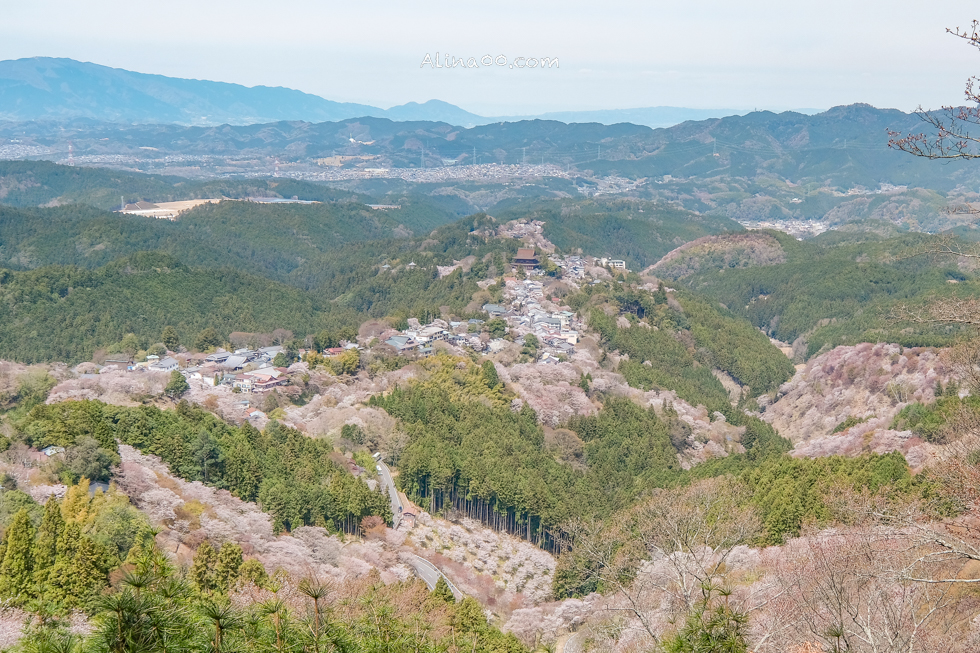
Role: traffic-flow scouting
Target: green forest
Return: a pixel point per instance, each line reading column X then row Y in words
column 298, row 480
column 639, row 232
column 36, row 183
column 841, row 289
column 66, row 312
column 94, row 552
column 674, row 340
column 469, row 452
column 60, row 557
column 273, row 240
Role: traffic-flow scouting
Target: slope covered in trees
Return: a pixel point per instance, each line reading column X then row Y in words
column 638, row 232
column 840, row 288
column 295, row 478
column 674, row 340
column 469, row 453
column 65, row 313
column 96, row 553
column 268, row 239
column 36, row 183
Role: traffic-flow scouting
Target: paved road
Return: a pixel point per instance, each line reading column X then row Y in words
column 573, row 644
column 427, row 571
column 396, row 504
column 430, row 574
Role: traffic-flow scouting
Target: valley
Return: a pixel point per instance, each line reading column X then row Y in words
column 555, row 387
column 526, row 408
column 648, row 328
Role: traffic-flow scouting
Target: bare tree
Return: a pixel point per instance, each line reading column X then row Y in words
column 941, row 533
column 695, row 529
column 945, row 310
column 965, row 312
column 963, row 360
column 848, row 593
column 952, row 139
column 663, row 552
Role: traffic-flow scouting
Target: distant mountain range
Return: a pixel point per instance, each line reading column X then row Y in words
column 844, row 147
column 44, row 88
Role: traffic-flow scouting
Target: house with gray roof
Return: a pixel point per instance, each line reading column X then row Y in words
column 167, row 364
column 401, row 343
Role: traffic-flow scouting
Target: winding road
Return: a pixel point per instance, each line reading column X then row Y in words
column 397, row 509
column 427, row 571
column 430, row 574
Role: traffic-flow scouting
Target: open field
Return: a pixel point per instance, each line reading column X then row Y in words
column 169, row 210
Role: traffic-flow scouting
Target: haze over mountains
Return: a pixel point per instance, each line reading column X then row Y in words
column 45, row 88
column 844, row 146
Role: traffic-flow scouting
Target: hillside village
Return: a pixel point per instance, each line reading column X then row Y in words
column 526, row 317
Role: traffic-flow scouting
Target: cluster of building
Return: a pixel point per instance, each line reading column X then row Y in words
column 419, row 338
column 153, row 363
column 610, row 185
column 557, row 331
column 572, row 267
column 247, row 370
column 525, row 310
column 614, row 263
column 445, row 172
column 799, row 229
column 14, row 149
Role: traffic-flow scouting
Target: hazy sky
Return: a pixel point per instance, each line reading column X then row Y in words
column 612, row 54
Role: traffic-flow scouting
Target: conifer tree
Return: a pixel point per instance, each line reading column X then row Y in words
column 202, row 571
column 206, row 339
column 177, row 386
column 252, row 571
column 17, row 568
column 712, row 626
column 104, row 436
column 169, row 338
column 71, row 535
column 143, row 546
column 75, row 506
column 490, row 374
column 469, row 617
column 88, row 572
column 229, row 564
column 46, row 544
column 442, row 591
column 80, row 570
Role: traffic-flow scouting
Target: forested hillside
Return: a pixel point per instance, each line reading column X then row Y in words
column 469, row 452
column 199, row 447
column 836, row 289
column 638, row 232
column 675, row 341
column 38, row 183
column 267, row 239
column 65, row 313
column 94, row 556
